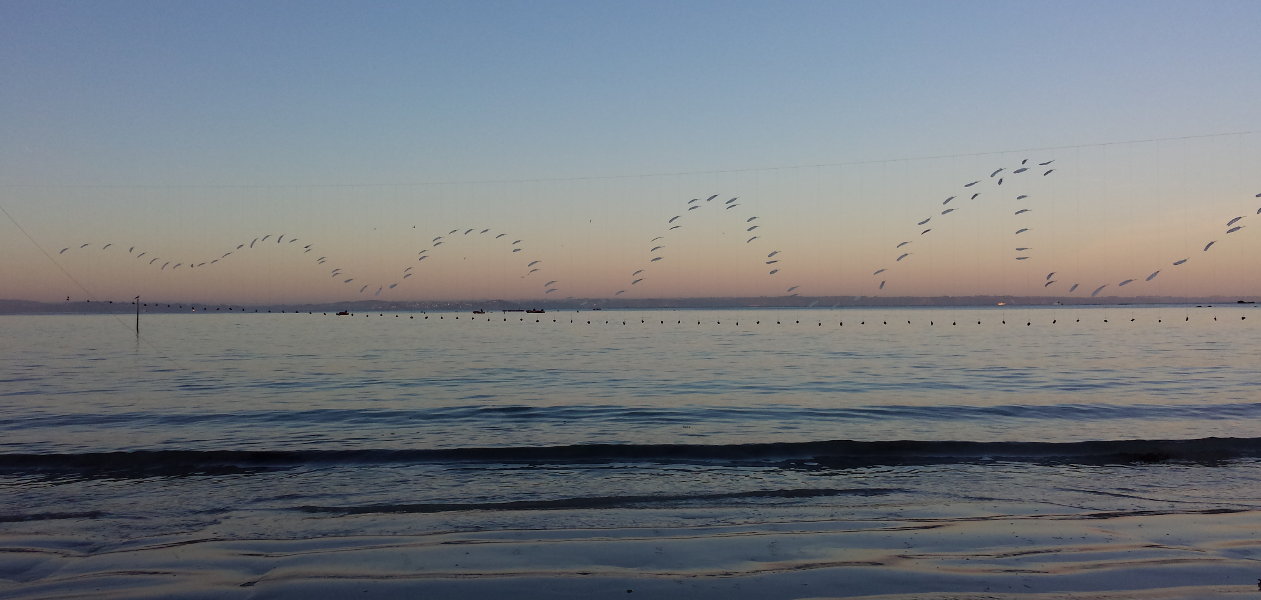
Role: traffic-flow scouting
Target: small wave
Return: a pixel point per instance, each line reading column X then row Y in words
column 515, row 413
column 597, row 501
column 835, row 453
column 50, row 516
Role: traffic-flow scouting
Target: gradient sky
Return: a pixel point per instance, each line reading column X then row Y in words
column 183, row 129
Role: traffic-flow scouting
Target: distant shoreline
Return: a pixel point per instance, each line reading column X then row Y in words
column 20, row 307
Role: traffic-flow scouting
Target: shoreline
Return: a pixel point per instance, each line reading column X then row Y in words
column 964, row 556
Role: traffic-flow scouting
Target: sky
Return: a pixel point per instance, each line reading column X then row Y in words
column 182, row 130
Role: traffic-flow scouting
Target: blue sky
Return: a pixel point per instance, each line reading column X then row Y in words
column 139, row 106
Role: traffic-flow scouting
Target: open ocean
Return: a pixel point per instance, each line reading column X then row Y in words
column 219, row 428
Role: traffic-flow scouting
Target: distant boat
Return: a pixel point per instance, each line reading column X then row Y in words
column 343, row 313
column 536, row 311
column 479, row 312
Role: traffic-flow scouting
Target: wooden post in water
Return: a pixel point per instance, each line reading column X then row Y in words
column 137, row 316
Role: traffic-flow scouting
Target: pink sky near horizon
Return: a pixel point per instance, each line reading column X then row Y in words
column 1091, row 222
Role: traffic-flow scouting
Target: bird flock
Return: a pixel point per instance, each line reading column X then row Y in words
column 532, row 266
column 1004, row 183
column 1022, row 206
column 750, row 223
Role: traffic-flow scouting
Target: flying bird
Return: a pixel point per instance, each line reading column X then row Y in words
column 534, row 262
column 1209, row 245
column 879, row 271
column 1124, row 282
column 1021, row 230
column 903, row 244
column 655, row 259
column 996, row 172
column 673, row 219
column 750, row 239
column 1152, row 276
column 1178, row 262
column 971, row 184
column 1234, row 229
column 1074, row 288
column 921, row 223
column 637, row 272
column 904, row 255
column 1048, row 172
column 947, row 211
column 1022, row 196
column 926, row 231
column 1022, row 211
column 773, row 271
column 773, row 253
column 947, row 200
column 749, row 220
column 1233, row 221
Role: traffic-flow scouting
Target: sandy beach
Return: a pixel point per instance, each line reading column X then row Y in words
column 1096, row 556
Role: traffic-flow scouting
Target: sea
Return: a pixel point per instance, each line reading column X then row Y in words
column 297, row 426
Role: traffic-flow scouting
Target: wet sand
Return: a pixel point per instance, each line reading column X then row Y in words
column 1101, row 556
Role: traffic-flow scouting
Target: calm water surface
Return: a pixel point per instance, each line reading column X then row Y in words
column 291, row 425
